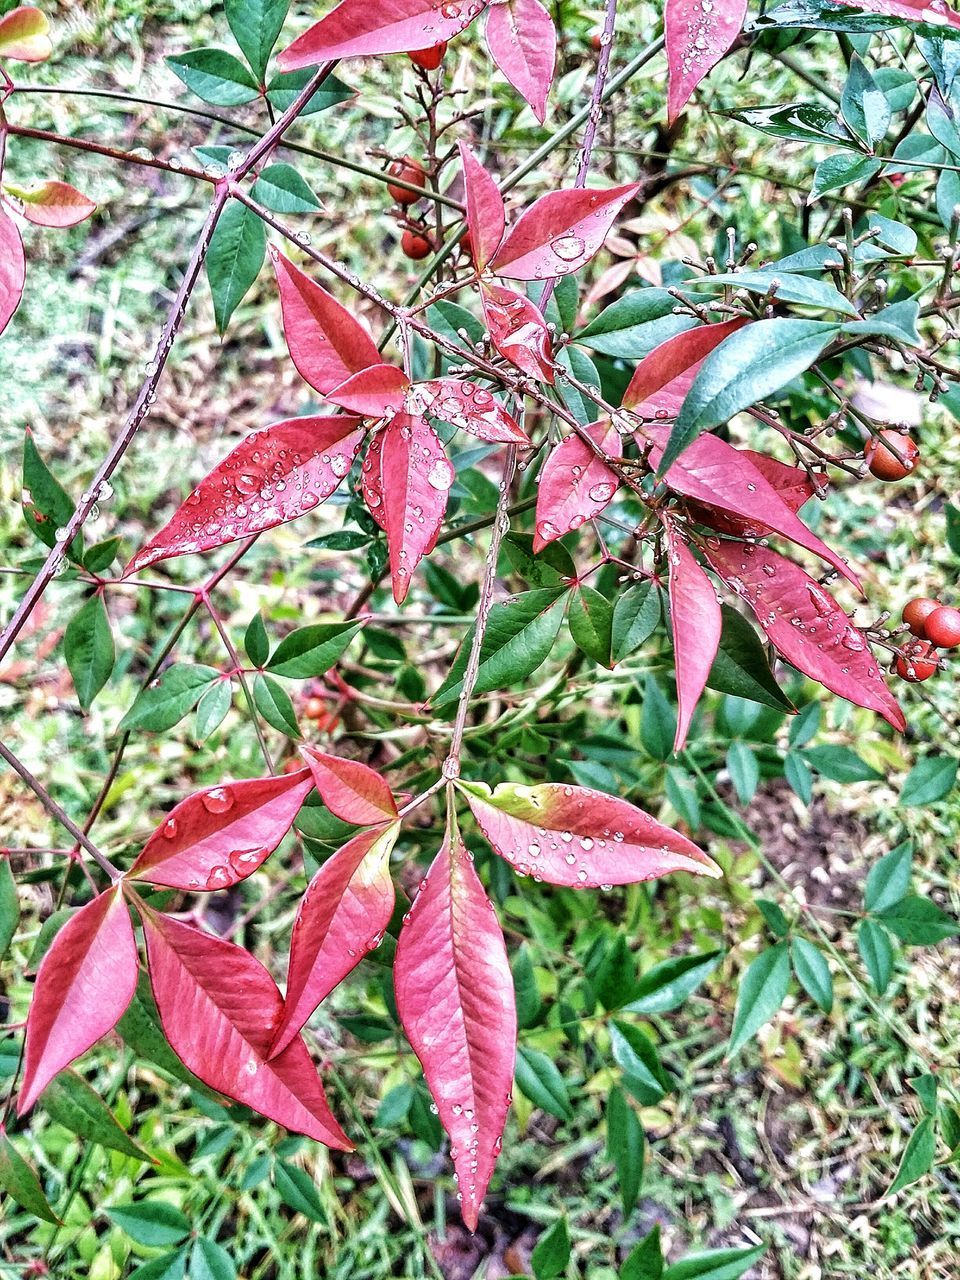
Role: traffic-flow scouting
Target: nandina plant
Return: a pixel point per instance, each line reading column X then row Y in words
column 641, row 494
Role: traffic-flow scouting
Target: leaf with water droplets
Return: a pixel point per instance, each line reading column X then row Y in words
column 697, row 623
column 456, row 1004
column 274, row 475
column 358, row 29
column 13, row 269
column 673, row 357
column 934, row 14
column 486, row 218
column 85, row 982
column 575, row 485
column 325, row 342
column 220, row 1008
column 522, row 41
column 518, row 331
column 698, row 33
column 52, row 204
column 350, row 790
column 23, row 35
column 415, row 475
column 469, row 407
column 578, row 837
column 559, row 233
column 805, row 624
column 341, row 917
column 372, row 392
column 219, row 836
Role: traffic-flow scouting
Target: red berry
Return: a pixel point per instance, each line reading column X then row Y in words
column 943, row 627
column 595, row 41
column 406, row 170
column 429, row 59
column 917, row 662
column 414, row 245
column 916, row 612
column 315, row 708
column 885, row 463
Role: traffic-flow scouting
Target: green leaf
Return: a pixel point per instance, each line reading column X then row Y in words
column 888, row 880
column 153, row 1223
column 800, row 122
column 646, row 1260
column 658, row 721
column 520, row 634
column 256, row 24
column 898, row 321
column 876, row 952
column 805, row 725
column 71, row 1102
column 590, row 620
column 101, row 555
column 918, row 921
column 744, row 770
column 312, row 651
column 255, row 642
column 171, row 1266
column 551, row 1253
column 925, row 1087
column 918, row 1156
column 750, row 365
column 715, row 1264
column 636, row 615
column 841, row 764
column 636, row 1056
column 666, row 986
column 9, row 906
column 776, row 921
column 140, row 1029
column 863, row 105
column 839, row 171
column 763, row 989
column 625, row 1147
column 813, row 972
column 88, row 649
column 234, row 259
column 47, row 506
column 566, row 299
column 584, row 370
column 168, row 699
column 212, row 709
column 528, row 999
column 540, row 1081
column 929, row 780
column 949, row 1118
column 208, row 1261
column 790, row 288
column 953, row 527
column 798, row 775
column 282, row 91
column 273, row 703
column 635, row 324
column 20, row 1182
column 215, row 76
column 298, row 1190
column 550, row 567
column 281, row 188
column 680, row 788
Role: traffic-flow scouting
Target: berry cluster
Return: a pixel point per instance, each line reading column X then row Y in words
column 935, row 626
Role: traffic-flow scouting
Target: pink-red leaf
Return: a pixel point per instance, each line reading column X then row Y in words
column 935, row 13
column 792, row 485
column 23, row 35
column 559, row 233
column 272, row 476
column 456, row 1003
column 220, row 1008
column 341, row 917
column 518, row 330
column 472, row 408
column 805, row 623
column 325, row 342
column 675, row 356
column 578, row 837
column 52, row 204
column 575, row 485
column 522, row 41
column 416, row 476
column 13, row 268
column 359, row 28
column 697, row 37
column 372, row 392
column 697, row 623
column 486, row 218
column 84, row 985
column 371, row 479
column 221, row 835
column 350, row 790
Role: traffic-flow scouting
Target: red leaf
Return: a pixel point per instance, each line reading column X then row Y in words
column 52, row 204
column 372, row 392
column 523, row 43
column 792, row 484
column 341, row 917
column 472, row 408
column 697, row 623
column 272, row 476
column 578, row 837
column 23, row 35
column 934, row 13
column 416, row 476
column 575, row 485
column 805, row 623
column 456, row 1003
column 350, row 790
column 325, row 342
column 371, row 479
column 518, row 331
column 559, row 232
column 675, row 356
column 485, row 214
column 359, row 28
column 85, row 983
column 219, row 1008
column 13, row 269
column 697, row 36
column 219, row 836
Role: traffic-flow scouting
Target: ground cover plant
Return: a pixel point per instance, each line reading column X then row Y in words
column 536, row 660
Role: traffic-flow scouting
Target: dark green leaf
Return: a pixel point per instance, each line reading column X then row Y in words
column 298, row 1190
column 255, row 642
column 715, row 1264
column 797, row 773
column 312, row 651
column 281, row 188
column 283, row 89
column 918, row 921
column 168, row 699
column 47, row 507
column 863, row 105
column 777, row 922
column 101, row 555
column 744, row 771
column 9, row 906
column 813, row 972
column 800, row 289
column 540, row 1081
column 646, row 1260
column 876, row 952
column 529, row 1003
column 153, row 1223
column 208, row 1261
column 551, row 567
column 551, row 1252
column 918, row 1156
column 256, row 24
column 763, row 989
column 839, row 171
column 70, row 1101
column 636, row 615
column 88, row 649
column 888, row 880
column 584, row 370
column 840, row 764
column 234, row 259
column 171, row 1266
column 805, row 726
column 590, row 621
column 215, row 76
column 668, row 984
column 929, row 780
column 212, row 709
column 925, row 1087
column 898, row 321
column 635, row 324
column 273, row 703
column 800, row 122
column 20, row 1182
column 625, row 1146
column 636, row 1055
column 658, row 721
column 953, row 528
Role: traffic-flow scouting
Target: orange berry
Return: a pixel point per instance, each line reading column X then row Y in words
column 428, row 59
column 916, row 612
column 406, row 170
column 414, row 245
column 917, row 662
column 943, row 627
column 315, row 708
column 885, row 463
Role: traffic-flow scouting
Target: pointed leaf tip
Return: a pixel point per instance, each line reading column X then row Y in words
column 350, row 790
